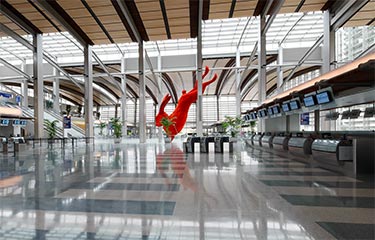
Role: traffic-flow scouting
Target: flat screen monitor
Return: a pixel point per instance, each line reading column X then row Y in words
column 324, row 97
column 276, row 109
column 270, row 111
column 23, row 122
column 369, row 112
column 260, row 113
column 16, row 122
column 285, row 107
column 264, row 113
column 4, row 122
column 345, row 114
column 254, row 115
column 309, row 101
column 294, row 105
column 354, row 113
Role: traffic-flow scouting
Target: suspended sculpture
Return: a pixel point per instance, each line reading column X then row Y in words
column 173, row 123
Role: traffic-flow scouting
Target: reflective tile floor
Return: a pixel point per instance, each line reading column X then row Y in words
column 154, row 191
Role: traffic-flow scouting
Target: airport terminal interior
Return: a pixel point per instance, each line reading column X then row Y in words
column 187, row 119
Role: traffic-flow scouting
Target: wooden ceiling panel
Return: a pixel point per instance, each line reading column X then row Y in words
column 243, row 13
column 364, row 15
column 310, row 8
column 370, row 6
column 90, row 28
column 177, row 13
column 154, row 23
column 118, row 34
column 181, row 35
column 152, row 15
column 176, row 4
column 25, row 7
column 356, row 23
column 220, row 7
column 180, row 29
column 85, row 21
column 148, row 7
column 178, row 21
column 122, row 40
column 288, row 9
column 156, row 31
column 115, row 27
column 96, row 35
column 158, row 37
column 101, row 41
column 69, row 4
column 98, row 3
column 78, row 13
column 219, row 15
column 103, row 10
column 109, row 19
column 34, row 16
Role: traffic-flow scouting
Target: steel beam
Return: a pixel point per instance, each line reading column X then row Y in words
column 38, row 85
column 56, row 92
column 346, row 12
column 14, row 68
column 125, row 11
column 262, row 77
column 237, row 84
column 328, row 43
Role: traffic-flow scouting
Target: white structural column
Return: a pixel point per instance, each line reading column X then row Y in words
column 261, row 66
column 142, row 94
column 124, row 107
column 199, row 104
column 56, row 91
column 24, row 88
column 238, row 80
column 160, row 97
column 38, row 85
column 280, row 76
column 328, row 43
column 89, row 98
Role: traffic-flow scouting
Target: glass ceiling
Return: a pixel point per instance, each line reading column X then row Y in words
column 219, row 36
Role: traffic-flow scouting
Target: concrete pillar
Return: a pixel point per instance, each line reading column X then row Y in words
column 56, row 91
column 89, row 98
column 124, row 107
column 38, row 85
column 261, row 67
column 142, row 94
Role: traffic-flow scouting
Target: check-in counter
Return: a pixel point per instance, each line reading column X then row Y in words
column 332, row 150
column 300, row 146
column 267, row 140
column 280, row 143
column 257, row 140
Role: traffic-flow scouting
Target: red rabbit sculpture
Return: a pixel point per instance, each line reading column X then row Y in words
column 173, row 123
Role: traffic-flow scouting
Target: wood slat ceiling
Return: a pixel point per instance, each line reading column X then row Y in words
column 363, row 17
column 177, row 13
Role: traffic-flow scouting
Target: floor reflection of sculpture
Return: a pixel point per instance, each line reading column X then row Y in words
column 173, row 123
column 173, row 158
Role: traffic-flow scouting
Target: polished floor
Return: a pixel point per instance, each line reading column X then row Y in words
column 155, row 191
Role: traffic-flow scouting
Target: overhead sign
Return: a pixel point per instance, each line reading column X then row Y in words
column 67, row 122
column 305, row 119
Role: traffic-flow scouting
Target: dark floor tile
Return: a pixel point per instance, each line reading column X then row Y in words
column 330, row 201
column 349, row 231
